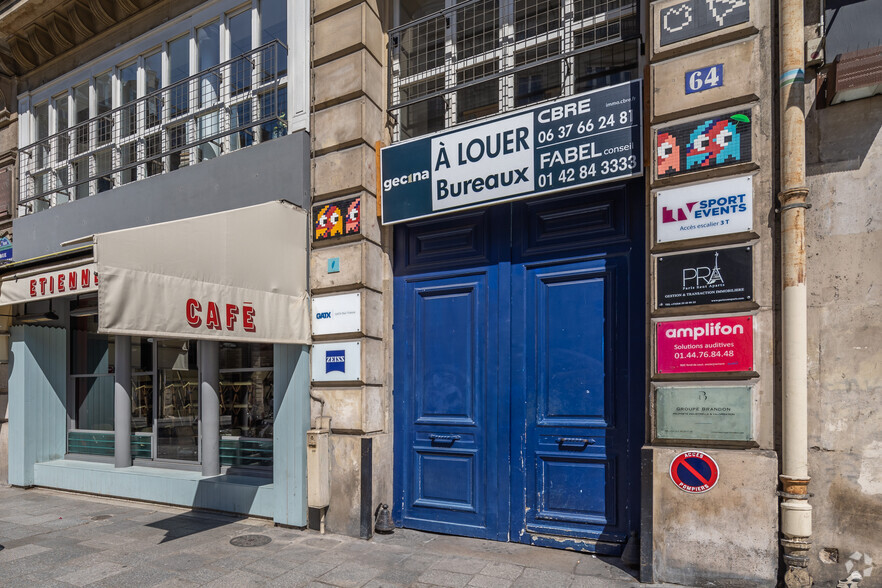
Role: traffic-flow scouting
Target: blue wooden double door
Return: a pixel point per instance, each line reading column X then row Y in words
column 519, row 341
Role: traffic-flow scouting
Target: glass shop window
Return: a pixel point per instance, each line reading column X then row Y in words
column 177, row 401
column 142, row 385
column 91, row 372
column 246, row 404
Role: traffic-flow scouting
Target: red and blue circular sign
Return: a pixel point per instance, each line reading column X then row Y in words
column 694, row 472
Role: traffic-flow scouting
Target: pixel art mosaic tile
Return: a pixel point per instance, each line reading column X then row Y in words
column 336, row 219
column 698, row 17
column 703, row 144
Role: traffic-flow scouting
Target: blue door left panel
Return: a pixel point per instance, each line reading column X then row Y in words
column 451, row 359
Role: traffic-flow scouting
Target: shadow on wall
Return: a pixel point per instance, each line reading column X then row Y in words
column 838, row 138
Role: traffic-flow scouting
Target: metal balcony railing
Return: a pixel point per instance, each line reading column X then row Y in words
column 480, row 57
column 226, row 107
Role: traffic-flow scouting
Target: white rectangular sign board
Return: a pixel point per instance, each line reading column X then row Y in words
column 714, row 208
column 336, row 362
column 340, row 313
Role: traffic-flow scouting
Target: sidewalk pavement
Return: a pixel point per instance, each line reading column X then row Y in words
column 51, row 538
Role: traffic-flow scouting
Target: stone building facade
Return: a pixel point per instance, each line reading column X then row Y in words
column 602, row 365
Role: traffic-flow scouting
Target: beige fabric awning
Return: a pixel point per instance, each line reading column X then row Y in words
column 238, row 275
column 49, row 281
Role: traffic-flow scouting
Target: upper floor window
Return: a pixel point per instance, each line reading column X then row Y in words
column 193, row 92
column 453, row 62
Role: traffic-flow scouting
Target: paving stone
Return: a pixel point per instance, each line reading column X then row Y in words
column 94, row 573
column 142, row 577
column 502, row 570
column 534, row 578
column 177, row 583
column 235, row 561
column 183, row 561
column 377, row 583
column 419, row 562
column 270, row 567
column 461, row 565
column 349, row 575
column 481, row 581
column 205, row 575
column 237, row 579
column 445, row 578
column 316, row 567
column 297, row 553
column 401, row 576
column 170, row 547
column 31, row 581
column 290, row 579
column 595, row 582
column 321, row 542
column 10, row 554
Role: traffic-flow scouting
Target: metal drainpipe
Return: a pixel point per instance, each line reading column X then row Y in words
column 796, row 512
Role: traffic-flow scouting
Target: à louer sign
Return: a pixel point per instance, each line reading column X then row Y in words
column 588, row 139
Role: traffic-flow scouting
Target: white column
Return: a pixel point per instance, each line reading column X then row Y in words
column 122, row 402
column 210, row 407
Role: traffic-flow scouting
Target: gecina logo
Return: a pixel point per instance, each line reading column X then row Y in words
column 419, row 176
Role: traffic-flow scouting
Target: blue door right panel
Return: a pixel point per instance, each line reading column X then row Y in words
column 566, row 398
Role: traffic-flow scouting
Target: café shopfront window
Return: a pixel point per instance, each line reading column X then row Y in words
column 246, row 404
column 165, row 391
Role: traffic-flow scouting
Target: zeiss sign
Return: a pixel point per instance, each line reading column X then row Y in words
column 336, row 362
column 588, row 139
column 703, row 210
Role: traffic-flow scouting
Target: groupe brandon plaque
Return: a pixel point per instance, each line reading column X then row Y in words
column 705, row 277
column 574, row 142
column 721, row 344
column 718, row 413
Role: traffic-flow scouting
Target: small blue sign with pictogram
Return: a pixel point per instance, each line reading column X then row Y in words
column 694, row 472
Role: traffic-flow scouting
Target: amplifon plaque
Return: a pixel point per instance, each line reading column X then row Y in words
column 717, row 413
column 721, row 344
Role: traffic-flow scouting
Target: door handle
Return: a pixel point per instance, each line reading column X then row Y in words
column 448, row 439
column 574, row 443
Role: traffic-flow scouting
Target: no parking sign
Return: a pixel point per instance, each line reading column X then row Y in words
column 694, row 472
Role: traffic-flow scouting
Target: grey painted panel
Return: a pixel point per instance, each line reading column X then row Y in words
column 851, row 25
column 277, row 170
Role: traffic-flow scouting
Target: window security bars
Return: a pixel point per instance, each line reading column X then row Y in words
column 223, row 108
column 482, row 57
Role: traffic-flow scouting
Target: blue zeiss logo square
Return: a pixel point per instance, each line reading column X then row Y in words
column 334, row 265
column 335, row 361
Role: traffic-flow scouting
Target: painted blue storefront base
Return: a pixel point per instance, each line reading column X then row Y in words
column 38, row 433
column 239, row 494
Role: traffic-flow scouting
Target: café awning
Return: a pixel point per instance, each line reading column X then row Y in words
column 238, row 275
column 49, row 279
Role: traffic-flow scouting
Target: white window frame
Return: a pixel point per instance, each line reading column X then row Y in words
column 297, row 88
column 504, row 55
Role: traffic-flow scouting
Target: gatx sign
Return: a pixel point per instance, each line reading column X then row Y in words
column 723, row 344
column 587, row 139
column 339, row 313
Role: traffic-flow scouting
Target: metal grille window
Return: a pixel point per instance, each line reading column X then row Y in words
column 466, row 60
column 165, row 109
